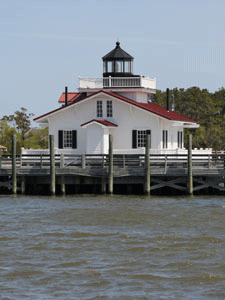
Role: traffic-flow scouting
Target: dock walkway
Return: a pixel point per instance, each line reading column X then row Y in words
column 79, row 173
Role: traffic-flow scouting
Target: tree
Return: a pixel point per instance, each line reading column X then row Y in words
column 6, row 133
column 37, row 138
column 204, row 107
column 21, row 121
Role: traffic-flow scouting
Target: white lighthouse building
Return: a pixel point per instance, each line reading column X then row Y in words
column 117, row 104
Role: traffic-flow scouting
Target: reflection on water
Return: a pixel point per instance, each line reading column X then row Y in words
column 112, row 247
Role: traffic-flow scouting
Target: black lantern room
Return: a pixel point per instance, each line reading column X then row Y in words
column 118, row 63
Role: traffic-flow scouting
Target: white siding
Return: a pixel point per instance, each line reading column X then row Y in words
column 94, row 139
column 127, row 117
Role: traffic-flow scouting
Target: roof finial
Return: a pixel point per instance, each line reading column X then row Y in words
column 117, row 44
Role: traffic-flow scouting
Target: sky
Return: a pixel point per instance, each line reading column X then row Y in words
column 46, row 45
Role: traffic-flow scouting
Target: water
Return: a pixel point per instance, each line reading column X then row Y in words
column 112, row 247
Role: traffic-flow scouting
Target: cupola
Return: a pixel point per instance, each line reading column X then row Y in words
column 117, row 63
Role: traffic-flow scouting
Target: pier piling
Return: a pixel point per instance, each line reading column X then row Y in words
column 110, row 164
column 190, row 175
column 14, row 179
column 52, row 164
column 147, row 166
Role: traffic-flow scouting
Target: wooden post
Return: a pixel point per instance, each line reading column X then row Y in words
column 14, row 179
column 83, row 161
column 23, row 185
column 103, row 161
column 41, row 161
column 147, row 166
column 110, row 164
column 63, row 186
column 62, row 162
column 103, row 186
column 52, row 164
column 124, row 161
column 190, row 175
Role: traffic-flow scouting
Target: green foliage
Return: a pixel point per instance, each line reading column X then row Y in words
column 208, row 109
column 6, row 133
column 20, row 120
column 37, row 139
column 19, row 123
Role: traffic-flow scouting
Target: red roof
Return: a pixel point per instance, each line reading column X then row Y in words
column 102, row 122
column 150, row 106
column 153, row 108
column 71, row 97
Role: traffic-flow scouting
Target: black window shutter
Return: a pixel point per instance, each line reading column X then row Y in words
column 149, row 132
column 60, row 139
column 74, row 139
column 166, row 139
column 134, row 139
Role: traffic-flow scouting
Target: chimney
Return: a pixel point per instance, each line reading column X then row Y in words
column 167, row 99
column 66, row 96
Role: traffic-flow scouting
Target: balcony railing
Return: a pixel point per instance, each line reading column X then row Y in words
column 117, row 82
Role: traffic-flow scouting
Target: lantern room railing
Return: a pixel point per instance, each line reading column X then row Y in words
column 117, row 82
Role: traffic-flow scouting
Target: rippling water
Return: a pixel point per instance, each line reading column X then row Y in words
column 112, row 247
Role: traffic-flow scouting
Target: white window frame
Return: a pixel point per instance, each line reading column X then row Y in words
column 99, row 108
column 67, row 139
column 109, row 109
column 141, row 138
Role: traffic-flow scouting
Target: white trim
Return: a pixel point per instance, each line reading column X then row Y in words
column 97, row 123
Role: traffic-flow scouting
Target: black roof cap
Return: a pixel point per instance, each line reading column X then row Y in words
column 117, row 53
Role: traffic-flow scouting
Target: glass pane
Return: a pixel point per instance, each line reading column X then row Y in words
column 68, row 139
column 109, row 70
column 118, row 66
column 127, row 67
column 99, row 109
column 141, row 138
column 104, row 67
column 109, row 109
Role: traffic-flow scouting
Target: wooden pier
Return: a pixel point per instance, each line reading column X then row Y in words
column 127, row 174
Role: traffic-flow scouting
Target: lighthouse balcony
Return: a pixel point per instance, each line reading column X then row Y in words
column 117, row 82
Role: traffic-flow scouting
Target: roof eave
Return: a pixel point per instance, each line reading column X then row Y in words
column 185, row 124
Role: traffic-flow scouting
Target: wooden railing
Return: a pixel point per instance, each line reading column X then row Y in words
column 40, row 161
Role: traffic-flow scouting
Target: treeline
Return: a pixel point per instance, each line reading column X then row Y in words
column 208, row 109
column 26, row 137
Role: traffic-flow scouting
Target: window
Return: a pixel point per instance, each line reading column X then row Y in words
column 99, row 109
column 165, row 139
column 104, row 67
column 109, row 109
column 179, row 139
column 118, row 66
column 139, row 138
column 109, row 66
column 127, row 66
column 67, row 139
